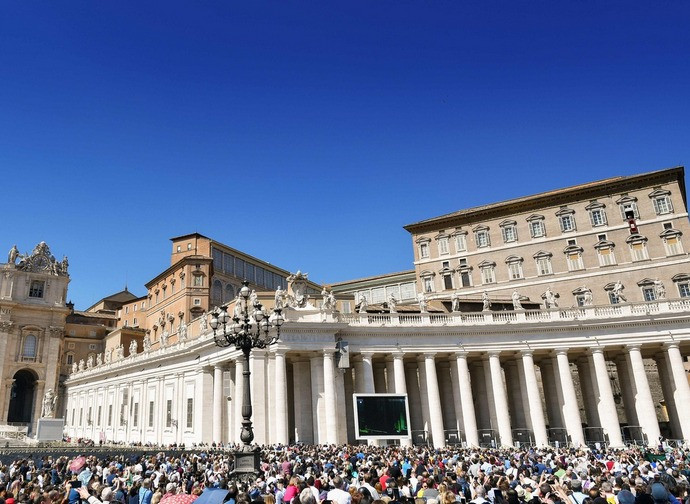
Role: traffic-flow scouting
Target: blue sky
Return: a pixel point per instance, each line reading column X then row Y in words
column 309, row 133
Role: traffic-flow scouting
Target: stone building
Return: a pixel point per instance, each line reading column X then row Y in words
column 540, row 321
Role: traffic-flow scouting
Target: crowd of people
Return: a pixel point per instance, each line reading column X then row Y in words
column 358, row 474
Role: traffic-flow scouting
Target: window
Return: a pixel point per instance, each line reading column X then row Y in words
column 481, row 236
column 606, row 256
column 424, row 250
column 601, row 237
column 514, row 267
column 448, row 281
column 92, row 346
column 70, row 359
column 443, row 245
column 29, row 347
column 461, row 241
column 428, row 284
column 168, row 413
column 648, row 294
column 672, row 242
column 597, row 214
column 36, row 289
column 197, row 302
column 190, row 412
column 566, row 218
column 543, row 262
column 536, row 226
column 198, row 281
column 151, row 412
column 135, row 323
column 509, row 231
column 488, row 272
column 189, row 246
column 628, row 207
column 661, row 199
column 573, row 257
column 135, row 414
column 638, row 247
column 668, row 225
column 179, row 248
column 110, row 415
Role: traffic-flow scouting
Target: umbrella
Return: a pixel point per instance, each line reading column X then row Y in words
column 180, row 499
column 77, row 464
column 211, row 496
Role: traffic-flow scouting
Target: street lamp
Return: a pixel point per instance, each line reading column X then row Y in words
column 250, row 327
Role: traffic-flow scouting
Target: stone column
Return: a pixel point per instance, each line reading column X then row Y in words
column 217, row 403
column 367, row 381
column 571, row 413
column 232, row 434
column 390, row 376
column 304, row 427
column 330, row 396
column 588, row 392
column 38, row 406
column 379, row 378
column 466, row 401
column 281, row 406
column 414, row 396
column 681, row 392
column 606, row 406
column 517, row 413
column 536, row 411
column 434, row 399
column 317, row 399
column 239, row 394
column 398, row 385
column 500, row 400
column 644, row 405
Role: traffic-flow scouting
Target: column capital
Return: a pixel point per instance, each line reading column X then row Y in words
column 400, row 355
column 461, row 354
column 366, row 355
column 427, row 355
column 279, row 351
column 634, row 347
column 527, row 353
column 560, row 351
column 328, row 353
column 595, row 350
column 671, row 344
column 493, row 353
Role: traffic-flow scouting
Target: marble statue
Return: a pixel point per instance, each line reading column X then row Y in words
column 253, row 298
column 75, row 367
column 486, row 302
column 203, row 323
column 182, row 331
column 120, row 349
column 517, row 305
column 550, row 298
column 392, row 303
column 587, row 301
column 279, row 299
column 164, row 339
column 324, row 300
column 147, row 343
column 133, row 347
column 331, row 300
column 618, row 292
column 64, row 265
column 455, row 301
column 423, row 305
column 49, row 402
column 108, row 357
column 659, row 289
column 328, row 302
column 237, row 310
column 82, row 365
column 89, row 362
column 14, row 253
column 99, row 359
column 363, row 304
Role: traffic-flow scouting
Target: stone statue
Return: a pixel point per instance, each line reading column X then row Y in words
column 421, row 298
column 363, row 304
column 99, row 359
column 659, row 289
column 517, row 305
column 147, row 343
column 120, row 349
column 254, row 298
column 182, row 331
column 587, row 301
column 82, row 365
column 75, row 367
column 279, row 299
column 49, row 402
column 12, row 257
column 237, row 309
column 133, row 347
column 486, row 302
column 618, row 292
column 455, row 302
column 392, row 303
column 550, row 298
column 108, row 356
column 203, row 323
column 64, row 265
column 164, row 339
column 324, row 300
column 89, row 362
column 331, row 300
column 328, row 302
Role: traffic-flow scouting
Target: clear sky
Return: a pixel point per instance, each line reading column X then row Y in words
column 309, row 133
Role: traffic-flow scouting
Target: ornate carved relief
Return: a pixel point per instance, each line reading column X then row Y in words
column 40, row 261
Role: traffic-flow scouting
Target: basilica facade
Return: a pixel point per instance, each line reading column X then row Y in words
column 562, row 317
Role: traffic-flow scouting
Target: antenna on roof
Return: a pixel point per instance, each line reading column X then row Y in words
column 126, row 282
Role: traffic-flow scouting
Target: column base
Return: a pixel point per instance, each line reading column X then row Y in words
column 246, row 464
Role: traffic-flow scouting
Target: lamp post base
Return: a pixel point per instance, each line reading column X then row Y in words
column 246, row 464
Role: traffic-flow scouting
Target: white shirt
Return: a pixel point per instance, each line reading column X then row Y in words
column 339, row 496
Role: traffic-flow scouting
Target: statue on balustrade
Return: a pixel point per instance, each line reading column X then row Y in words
column 659, row 289
column 89, row 362
column 486, row 302
column 147, row 342
column 182, row 331
column 423, row 304
column 99, row 359
column 618, row 292
column 392, row 303
column 550, row 298
column 587, row 301
column 517, row 305
column 455, row 301
column 363, row 304
column 13, row 255
column 133, row 347
column 120, row 351
column 279, row 299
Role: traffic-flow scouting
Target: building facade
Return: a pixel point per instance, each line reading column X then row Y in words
column 592, row 349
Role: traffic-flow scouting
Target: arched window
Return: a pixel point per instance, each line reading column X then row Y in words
column 229, row 293
column 29, row 347
column 217, row 294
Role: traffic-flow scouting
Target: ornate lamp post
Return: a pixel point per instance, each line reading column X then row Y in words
column 249, row 327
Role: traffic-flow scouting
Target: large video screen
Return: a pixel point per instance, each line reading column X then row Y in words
column 381, row 416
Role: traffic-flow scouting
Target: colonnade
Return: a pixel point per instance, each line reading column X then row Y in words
column 495, row 397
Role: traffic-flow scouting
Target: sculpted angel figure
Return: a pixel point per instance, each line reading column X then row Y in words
column 133, row 347
column 392, row 303
column 49, row 402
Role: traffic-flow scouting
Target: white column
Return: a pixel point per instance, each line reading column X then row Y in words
column 302, row 394
column 469, row 419
column 536, row 411
column 398, row 385
column 239, row 394
column 644, row 405
column 217, row 403
column 434, row 399
column 571, row 413
column 230, row 434
column 281, row 412
column 380, row 378
column 606, row 406
column 681, row 392
column 330, row 397
column 500, row 400
column 367, row 373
